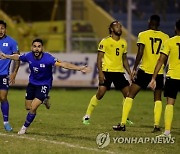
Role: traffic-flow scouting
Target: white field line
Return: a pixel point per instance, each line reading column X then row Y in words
column 55, row 142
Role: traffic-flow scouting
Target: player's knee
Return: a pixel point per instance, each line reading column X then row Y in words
column 99, row 97
column 27, row 108
column 3, row 98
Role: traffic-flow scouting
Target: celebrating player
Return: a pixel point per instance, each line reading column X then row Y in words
column 40, row 79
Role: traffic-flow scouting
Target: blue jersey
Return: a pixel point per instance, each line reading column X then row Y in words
column 41, row 69
column 8, row 46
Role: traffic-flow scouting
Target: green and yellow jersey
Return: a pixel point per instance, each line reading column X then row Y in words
column 172, row 49
column 113, row 51
column 153, row 41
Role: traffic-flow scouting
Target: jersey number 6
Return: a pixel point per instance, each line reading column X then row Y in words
column 117, row 51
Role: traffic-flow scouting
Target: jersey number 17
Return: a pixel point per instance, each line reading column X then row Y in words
column 155, row 40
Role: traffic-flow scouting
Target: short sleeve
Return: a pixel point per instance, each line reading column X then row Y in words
column 52, row 59
column 23, row 57
column 124, row 46
column 14, row 47
column 165, row 48
column 101, row 46
column 141, row 39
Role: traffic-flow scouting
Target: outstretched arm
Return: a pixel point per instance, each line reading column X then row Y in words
column 84, row 69
column 13, row 57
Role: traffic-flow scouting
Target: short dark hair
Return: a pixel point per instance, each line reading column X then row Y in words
column 156, row 19
column 178, row 24
column 111, row 25
column 38, row 40
column 3, row 23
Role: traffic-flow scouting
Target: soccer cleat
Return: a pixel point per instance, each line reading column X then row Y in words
column 8, row 127
column 164, row 136
column 156, row 129
column 22, row 131
column 46, row 103
column 119, row 127
column 85, row 120
column 129, row 122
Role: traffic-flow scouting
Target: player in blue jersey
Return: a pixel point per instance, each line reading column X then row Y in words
column 8, row 46
column 41, row 77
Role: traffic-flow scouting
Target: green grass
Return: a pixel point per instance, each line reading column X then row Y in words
column 60, row 129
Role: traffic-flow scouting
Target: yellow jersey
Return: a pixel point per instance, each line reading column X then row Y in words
column 113, row 51
column 172, row 49
column 153, row 41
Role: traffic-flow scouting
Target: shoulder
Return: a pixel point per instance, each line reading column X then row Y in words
column 144, row 32
column 48, row 56
column 106, row 39
column 170, row 40
column 10, row 39
column 123, row 40
column 29, row 53
column 163, row 34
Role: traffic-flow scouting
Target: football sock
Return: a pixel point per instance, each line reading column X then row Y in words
column 93, row 102
column 168, row 116
column 157, row 112
column 29, row 119
column 23, row 127
column 126, row 109
column 5, row 110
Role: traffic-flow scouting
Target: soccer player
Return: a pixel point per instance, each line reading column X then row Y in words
column 40, row 79
column 111, row 62
column 170, row 51
column 149, row 44
column 8, row 46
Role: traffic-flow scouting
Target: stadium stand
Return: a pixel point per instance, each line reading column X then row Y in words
column 168, row 10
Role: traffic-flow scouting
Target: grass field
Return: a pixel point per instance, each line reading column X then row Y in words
column 60, row 129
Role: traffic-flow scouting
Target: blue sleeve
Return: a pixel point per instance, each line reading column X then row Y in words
column 23, row 57
column 14, row 47
column 52, row 59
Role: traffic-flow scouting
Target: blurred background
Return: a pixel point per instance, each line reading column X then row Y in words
column 78, row 25
column 72, row 29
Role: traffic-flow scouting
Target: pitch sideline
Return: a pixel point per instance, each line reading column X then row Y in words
column 55, row 142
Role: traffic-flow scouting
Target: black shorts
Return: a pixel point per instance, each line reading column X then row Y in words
column 117, row 78
column 37, row 91
column 4, row 82
column 172, row 86
column 142, row 79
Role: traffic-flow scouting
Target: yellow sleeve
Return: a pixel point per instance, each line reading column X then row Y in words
column 165, row 48
column 141, row 38
column 101, row 46
column 125, row 47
